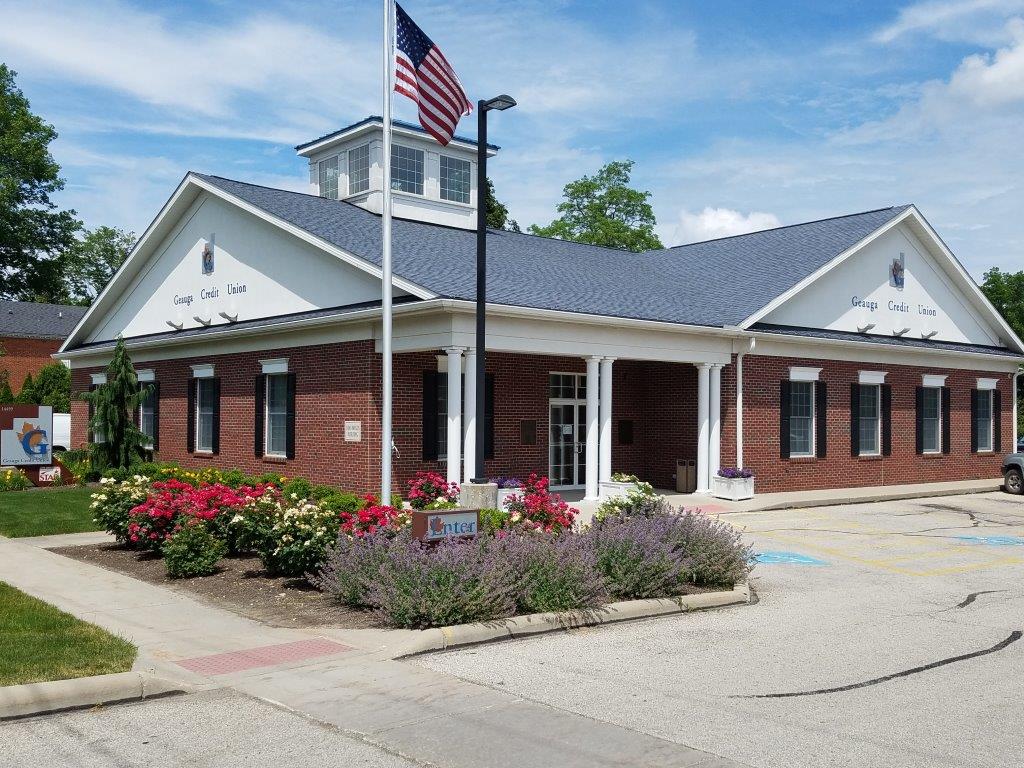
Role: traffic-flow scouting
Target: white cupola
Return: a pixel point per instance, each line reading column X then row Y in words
column 428, row 182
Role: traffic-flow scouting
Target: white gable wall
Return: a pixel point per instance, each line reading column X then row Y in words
column 858, row 292
column 259, row 271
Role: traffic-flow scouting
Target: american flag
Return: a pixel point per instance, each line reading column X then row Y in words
column 424, row 75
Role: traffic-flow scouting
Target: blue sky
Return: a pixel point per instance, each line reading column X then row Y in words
column 739, row 115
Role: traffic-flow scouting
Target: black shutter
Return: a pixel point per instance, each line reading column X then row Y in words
column 154, row 396
column 886, row 391
column 289, row 434
column 947, row 431
column 216, row 416
column 820, row 419
column 974, row 421
column 855, row 419
column 92, row 412
column 919, row 420
column 784, row 409
column 258, row 426
column 430, row 415
column 489, row 416
column 997, row 421
column 190, row 439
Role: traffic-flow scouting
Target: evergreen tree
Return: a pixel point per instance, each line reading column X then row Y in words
column 27, row 395
column 6, row 395
column 114, row 404
column 53, row 387
column 496, row 213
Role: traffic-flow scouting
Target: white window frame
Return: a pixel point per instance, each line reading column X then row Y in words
column 938, row 421
column 396, row 150
column 364, row 186
column 441, row 178
column 878, row 419
column 142, row 418
column 987, row 394
column 202, row 381
column 812, row 450
column 321, row 166
column 266, row 415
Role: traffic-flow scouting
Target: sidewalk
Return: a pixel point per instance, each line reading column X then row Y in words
column 347, row 678
column 802, row 499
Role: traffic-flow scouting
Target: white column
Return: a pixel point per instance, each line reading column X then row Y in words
column 593, row 433
column 703, row 426
column 469, row 418
column 715, row 440
column 605, row 463
column 454, row 412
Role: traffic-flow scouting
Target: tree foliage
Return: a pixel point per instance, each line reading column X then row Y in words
column 27, row 393
column 1006, row 292
column 604, row 210
column 496, row 213
column 119, row 443
column 53, row 387
column 32, row 231
column 89, row 263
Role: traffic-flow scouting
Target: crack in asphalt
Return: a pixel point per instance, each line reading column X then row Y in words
column 974, row 596
column 1001, row 645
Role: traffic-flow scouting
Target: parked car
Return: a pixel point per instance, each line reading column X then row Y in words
column 60, row 440
column 1013, row 473
column 1020, row 444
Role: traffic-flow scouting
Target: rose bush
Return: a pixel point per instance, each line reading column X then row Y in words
column 113, row 503
column 429, row 488
column 538, row 509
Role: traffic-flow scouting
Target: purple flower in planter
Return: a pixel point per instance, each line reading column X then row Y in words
column 508, row 482
column 733, row 473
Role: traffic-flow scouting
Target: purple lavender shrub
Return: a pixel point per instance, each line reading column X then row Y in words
column 556, row 573
column 639, row 557
column 351, row 565
column 715, row 550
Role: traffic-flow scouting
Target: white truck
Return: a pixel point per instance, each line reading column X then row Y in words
column 60, row 440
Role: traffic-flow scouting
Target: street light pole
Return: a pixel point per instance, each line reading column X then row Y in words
column 483, row 107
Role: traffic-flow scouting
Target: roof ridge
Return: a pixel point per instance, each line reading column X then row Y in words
column 789, row 226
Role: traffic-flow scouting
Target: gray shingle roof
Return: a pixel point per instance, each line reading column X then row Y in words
column 30, row 320
column 895, row 341
column 714, row 283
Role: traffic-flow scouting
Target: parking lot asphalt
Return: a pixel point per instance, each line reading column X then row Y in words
column 887, row 634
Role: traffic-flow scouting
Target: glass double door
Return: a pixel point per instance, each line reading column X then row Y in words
column 567, row 440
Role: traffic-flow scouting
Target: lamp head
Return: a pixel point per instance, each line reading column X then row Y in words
column 499, row 103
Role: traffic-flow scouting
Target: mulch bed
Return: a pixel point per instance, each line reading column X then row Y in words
column 240, row 585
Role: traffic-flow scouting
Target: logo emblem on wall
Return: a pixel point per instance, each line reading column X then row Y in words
column 897, row 271
column 33, row 440
column 208, row 256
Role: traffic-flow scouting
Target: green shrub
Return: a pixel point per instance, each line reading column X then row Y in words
column 297, row 540
column 113, row 502
column 638, row 501
column 297, row 488
column 235, row 478
column 14, row 480
column 337, row 501
column 192, row 551
column 493, row 520
column 79, row 464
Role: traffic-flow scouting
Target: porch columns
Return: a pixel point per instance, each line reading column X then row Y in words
column 469, row 419
column 715, row 441
column 703, row 426
column 593, row 364
column 454, row 413
column 605, row 463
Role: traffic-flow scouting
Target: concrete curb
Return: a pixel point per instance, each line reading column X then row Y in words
column 872, row 498
column 17, row 701
column 442, row 638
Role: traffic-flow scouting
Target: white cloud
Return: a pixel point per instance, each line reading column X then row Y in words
column 712, row 223
column 977, row 21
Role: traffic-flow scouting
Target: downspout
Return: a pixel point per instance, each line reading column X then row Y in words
column 739, row 402
column 1016, row 435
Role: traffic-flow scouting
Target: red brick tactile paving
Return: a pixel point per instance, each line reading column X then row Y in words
column 263, row 656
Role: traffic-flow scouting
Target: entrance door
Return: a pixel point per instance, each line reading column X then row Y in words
column 567, row 452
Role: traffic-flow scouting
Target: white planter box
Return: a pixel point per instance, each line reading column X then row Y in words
column 506, row 493
column 732, row 488
column 609, row 489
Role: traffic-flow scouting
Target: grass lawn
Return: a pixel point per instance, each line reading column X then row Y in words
column 39, row 643
column 45, row 511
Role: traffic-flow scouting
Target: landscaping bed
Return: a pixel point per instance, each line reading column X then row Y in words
column 38, row 643
column 240, row 585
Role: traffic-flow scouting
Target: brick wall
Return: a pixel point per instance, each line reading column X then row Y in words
column 25, row 356
column 839, row 469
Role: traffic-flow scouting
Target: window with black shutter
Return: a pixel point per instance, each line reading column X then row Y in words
column 946, row 420
column 489, row 416
column 290, row 415
column 821, row 419
column 259, row 414
column 886, row 419
column 430, row 415
column 784, row 403
column 190, row 417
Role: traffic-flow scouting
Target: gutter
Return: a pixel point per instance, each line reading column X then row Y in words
column 739, row 401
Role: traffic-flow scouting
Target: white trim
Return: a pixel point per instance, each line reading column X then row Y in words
column 145, row 374
column 98, row 378
column 797, row 373
column 275, row 365
column 812, row 453
column 991, row 421
column 372, row 126
column 872, row 377
column 202, row 371
column 932, row 380
column 267, row 453
column 877, row 385
column 940, row 425
column 988, row 384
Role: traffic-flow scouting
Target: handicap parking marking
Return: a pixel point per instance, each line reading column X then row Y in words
column 785, row 558
column 993, row 541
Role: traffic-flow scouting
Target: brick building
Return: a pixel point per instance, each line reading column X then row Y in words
column 30, row 333
column 843, row 352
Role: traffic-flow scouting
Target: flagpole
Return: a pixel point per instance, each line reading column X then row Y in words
column 388, row 59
